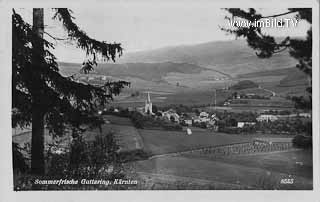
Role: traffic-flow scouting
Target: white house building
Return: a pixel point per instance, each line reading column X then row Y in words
column 267, row 118
column 171, row 115
column 241, row 124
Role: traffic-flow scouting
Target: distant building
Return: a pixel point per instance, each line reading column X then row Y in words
column 189, row 132
column 203, row 115
column 148, row 105
column 242, row 124
column 171, row 115
column 188, row 122
column 288, row 116
column 226, row 103
column 209, row 121
column 306, row 115
column 267, row 118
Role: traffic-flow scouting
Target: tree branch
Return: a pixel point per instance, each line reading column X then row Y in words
column 274, row 16
column 91, row 46
column 55, row 38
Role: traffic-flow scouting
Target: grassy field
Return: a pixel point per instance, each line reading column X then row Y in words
column 126, row 135
column 161, row 142
column 251, row 171
column 187, row 97
column 222, row 172
column 298, row 163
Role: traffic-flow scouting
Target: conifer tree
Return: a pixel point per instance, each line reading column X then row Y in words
column 44, row 98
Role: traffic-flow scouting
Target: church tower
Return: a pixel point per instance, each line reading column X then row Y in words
column 148, row 105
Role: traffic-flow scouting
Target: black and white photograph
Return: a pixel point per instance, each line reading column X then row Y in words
column 160, row 95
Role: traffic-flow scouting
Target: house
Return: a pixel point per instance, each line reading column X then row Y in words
column 187, row 122
column 208, row 121
column 171, row 115
column 189, row 132
column 305, row 115
column 267, row 118
column 226, row 103
column 241, row 124
column 203, row 115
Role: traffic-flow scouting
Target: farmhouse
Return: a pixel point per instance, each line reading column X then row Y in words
column 187, row 122
column 203, row 118
column 267, row 118
column 241, row 124
column 306, row 115
column 171, row 115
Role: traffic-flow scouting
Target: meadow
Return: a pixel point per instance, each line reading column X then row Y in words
column 162, row 142
column 233, row 173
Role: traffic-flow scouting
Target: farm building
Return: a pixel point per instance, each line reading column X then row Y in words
column 171, row 115
column 241, row 124
column 267, row 118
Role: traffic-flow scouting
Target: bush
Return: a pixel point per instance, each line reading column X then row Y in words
column 19, row 161
column 85, row 160
column 137, row 119
column 301, row 141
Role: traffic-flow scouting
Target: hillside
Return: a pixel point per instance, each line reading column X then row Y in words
column 244, row 85
column 146, row 71
column 292, row 76
column 229, row 57
column 201, row 66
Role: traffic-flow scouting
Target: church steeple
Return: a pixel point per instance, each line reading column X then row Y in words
column 148, row 98
column 148, row 105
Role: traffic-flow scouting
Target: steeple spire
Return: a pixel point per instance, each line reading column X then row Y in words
column 148, row 105
column 148, row 99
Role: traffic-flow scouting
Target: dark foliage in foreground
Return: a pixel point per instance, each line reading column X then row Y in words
column 85, row 160
column 19, row 161
column 41, row 96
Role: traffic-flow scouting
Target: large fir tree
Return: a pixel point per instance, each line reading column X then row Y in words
column 41, row 96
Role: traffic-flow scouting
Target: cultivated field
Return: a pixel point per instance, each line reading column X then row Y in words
column 215, row 171
column 162, row 142
column 192, row 171
column 126, row 135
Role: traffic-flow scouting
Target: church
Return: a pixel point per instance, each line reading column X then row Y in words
column 148, row 105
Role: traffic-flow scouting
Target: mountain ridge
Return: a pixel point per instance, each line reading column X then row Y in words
column 229, row 57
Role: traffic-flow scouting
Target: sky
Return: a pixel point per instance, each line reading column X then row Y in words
column 150, row 25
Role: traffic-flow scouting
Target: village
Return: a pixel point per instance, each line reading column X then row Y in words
column 221, row 120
